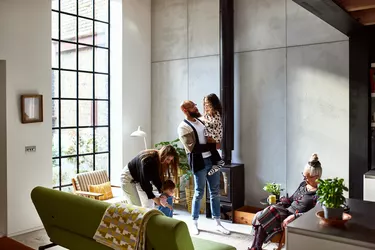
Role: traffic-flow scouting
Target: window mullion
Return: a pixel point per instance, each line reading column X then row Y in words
column 93, row 87
column 109, row 88
column 77, row 88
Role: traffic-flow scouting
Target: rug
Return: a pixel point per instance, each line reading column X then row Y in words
column 9, row 244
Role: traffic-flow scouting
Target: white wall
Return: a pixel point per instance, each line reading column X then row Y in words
column 136, row 77
column 116, row 89
column 291, row 84
column 3, row 150
column 25, row 31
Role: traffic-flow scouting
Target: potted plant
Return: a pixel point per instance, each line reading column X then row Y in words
column 273, row 188
column 331, row 195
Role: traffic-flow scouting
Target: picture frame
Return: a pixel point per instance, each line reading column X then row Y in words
column 31, row 108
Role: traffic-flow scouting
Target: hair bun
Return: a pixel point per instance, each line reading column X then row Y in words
column 314, row 161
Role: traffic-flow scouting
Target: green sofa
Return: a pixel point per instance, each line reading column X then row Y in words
column 71, row 221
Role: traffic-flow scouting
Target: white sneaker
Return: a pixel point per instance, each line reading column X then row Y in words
column 194, row 229
column 222, row 229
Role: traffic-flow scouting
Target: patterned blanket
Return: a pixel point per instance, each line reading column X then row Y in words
column 123, row 226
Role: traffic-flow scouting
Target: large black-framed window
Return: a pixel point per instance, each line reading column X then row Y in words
column 80, row 88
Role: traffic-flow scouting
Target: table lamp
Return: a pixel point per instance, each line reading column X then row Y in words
column 140, row 133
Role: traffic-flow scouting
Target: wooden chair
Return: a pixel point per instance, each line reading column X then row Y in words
column 82, row 181
column 279, row 239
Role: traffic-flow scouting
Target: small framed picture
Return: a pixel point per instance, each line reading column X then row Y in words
column 31, row 108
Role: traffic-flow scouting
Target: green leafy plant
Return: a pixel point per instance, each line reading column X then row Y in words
column 331, row 192
column 183, row 166
column 273, row 188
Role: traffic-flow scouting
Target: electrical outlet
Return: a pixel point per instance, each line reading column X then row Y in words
column 29, row 149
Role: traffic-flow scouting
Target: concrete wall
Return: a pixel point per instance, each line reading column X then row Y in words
column 136, row 75
column 291, row 84
column 3, row 150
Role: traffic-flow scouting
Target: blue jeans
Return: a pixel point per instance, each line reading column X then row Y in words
column 167, row 211
column 200, row 179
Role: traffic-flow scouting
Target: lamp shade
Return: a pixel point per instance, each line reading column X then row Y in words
column 138, row 133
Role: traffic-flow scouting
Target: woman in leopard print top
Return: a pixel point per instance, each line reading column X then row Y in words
column 214, row 129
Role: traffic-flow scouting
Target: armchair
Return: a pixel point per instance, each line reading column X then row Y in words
column 82, row 182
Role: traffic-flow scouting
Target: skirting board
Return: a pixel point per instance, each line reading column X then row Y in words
column 25, row 231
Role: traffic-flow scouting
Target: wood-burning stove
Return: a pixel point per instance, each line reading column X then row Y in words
column 231, row 191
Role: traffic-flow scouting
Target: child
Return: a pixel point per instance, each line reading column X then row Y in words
column 168, row 193
column 214, row 129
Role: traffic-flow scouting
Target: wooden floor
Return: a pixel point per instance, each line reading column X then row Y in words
column 7, row 243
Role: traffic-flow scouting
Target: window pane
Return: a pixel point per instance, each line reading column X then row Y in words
column 68, row 142
column 68, row 189
column 101, row 60
column 101, row 139
column 86, row 31
column 68, row 27
column 101, row 86
column 69, row 6
column 55, row 172
column 86, row 163
column 102, row 161
column 68, row 113
column 85, row 113
column 68, row 84
column 55, row 54
column 85, row 58
column 85, row 8
column 68, row 170
column 55, row 143
column 86, row 138
column 101, row 34
column 75, row 52
column 68, row 56
column 102, row 111
column 55, row 113
column 101, row 10
column 55, row 83
column 85, row 85
column 55, row 25
column 55, row 4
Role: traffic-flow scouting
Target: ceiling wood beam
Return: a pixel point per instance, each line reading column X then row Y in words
column 366, row 17
column 355, row 5
column 331, row 13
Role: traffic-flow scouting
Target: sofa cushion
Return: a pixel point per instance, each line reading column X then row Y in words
column 104, row 188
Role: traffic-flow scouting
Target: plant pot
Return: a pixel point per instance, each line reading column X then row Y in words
column 333, row 213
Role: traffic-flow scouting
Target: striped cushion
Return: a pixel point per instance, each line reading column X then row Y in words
column 91, row 178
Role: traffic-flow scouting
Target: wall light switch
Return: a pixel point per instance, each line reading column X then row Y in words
column 29, row 149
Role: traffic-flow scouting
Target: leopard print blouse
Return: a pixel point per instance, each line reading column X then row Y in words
column 214, row 127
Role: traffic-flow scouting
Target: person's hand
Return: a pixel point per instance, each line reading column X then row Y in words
column 210, row 140
column 288, row 220
column 170, row 207
column 284, row 200
column 157, row 200
column 163, row 201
